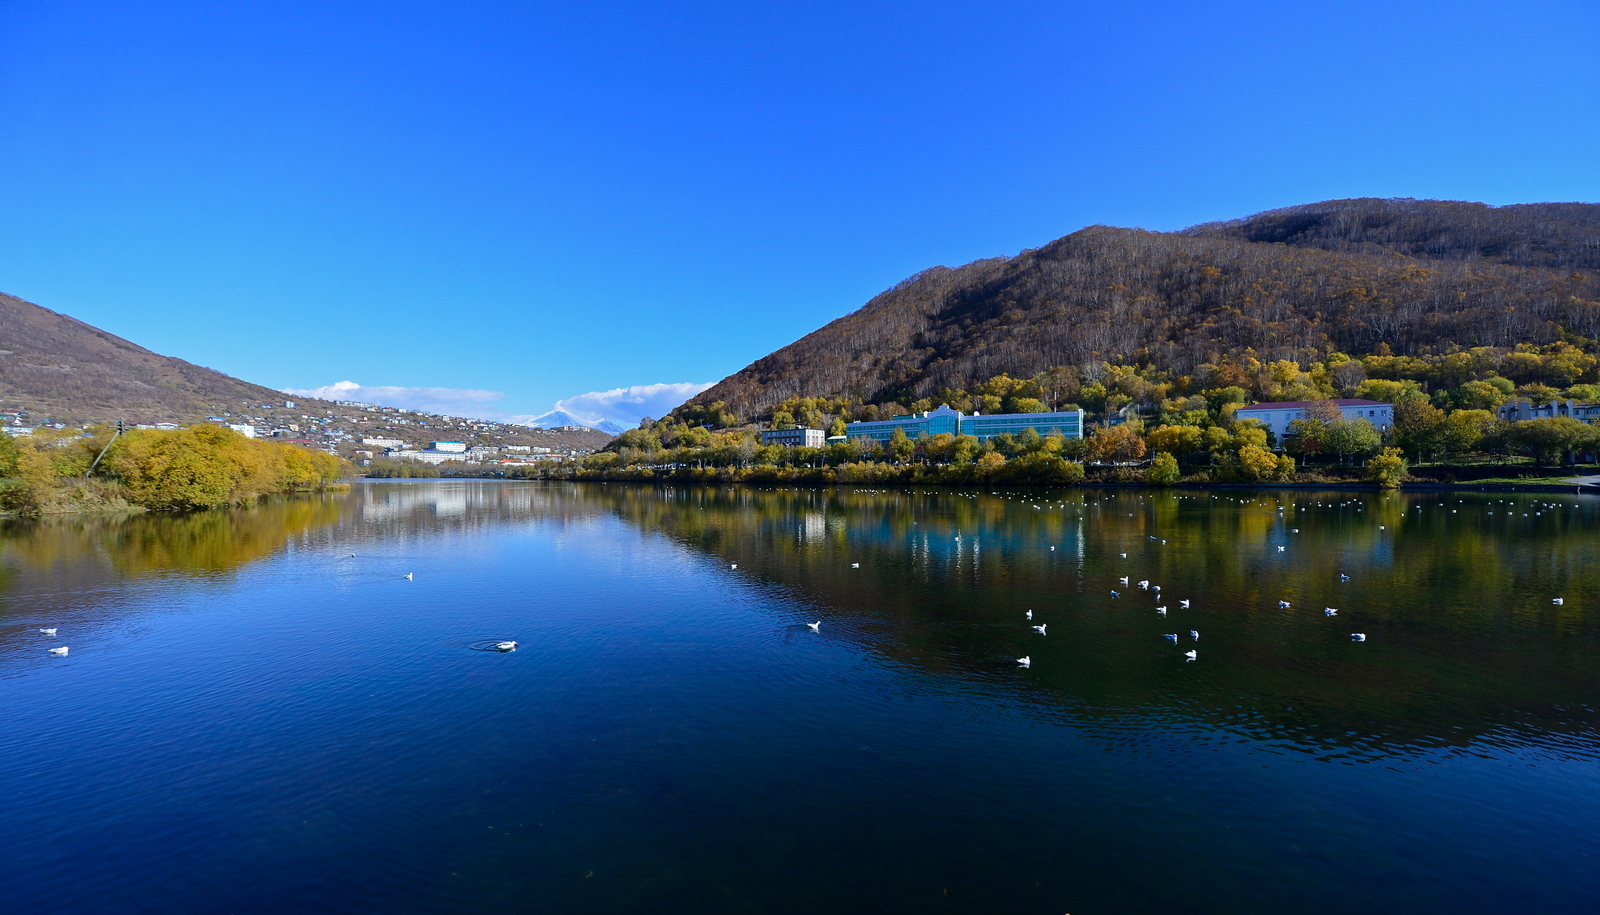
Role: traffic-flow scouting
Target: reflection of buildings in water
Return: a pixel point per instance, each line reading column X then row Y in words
column 400, row 504
column 387, row 503
column 450, row 504
column 813, row 528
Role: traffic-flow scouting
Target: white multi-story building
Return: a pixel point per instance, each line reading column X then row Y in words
column 795, row 438
column 1525, row 409
column 429, row 457
column 1277, row 416
column 452, row 447
column 392, row 443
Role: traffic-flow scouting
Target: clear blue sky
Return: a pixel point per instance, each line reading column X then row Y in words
column 547, row 200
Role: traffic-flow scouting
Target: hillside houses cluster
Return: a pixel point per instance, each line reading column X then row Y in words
column 363, row 432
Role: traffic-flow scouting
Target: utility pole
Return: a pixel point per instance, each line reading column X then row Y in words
column 121, row 427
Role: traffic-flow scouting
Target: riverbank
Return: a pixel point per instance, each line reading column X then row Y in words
column 104, row 471
column 1470, row 478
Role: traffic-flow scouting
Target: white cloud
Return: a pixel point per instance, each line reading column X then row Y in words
column 623, row 406
column 453, row 401
column 626, row 406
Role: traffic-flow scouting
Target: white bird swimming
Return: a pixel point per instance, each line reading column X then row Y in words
column 1280, row 549
column 1194, row 634
column 1183, row 604
column 1025, row 662
column 1145, row 584
column 53, row 632
column 1124, row 555
column 1191, row 655
column 1554, row 600
column 1030, row 614
column 59, row 652
column 1115, row 594
column 1343, row 577
column 1283, row 605
column 815, row 627
column 505, row 646
column 1040, row 628
column 855, row 565
column 734, row 566
column 1358, row 636
column 408, row 576
column 1123, row 579
column 1162, row 610
column 1329, row 611
column 1170, row 636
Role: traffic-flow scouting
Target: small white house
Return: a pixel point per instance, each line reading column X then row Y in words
column 1277, row 416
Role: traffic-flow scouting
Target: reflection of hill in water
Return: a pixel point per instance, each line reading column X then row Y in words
column 206, row 542
column 1464, row 645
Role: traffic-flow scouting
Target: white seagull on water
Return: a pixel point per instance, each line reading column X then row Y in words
column 1025, row 662
column 1030, row 614
column 408, row 576
column 1329, row 611
column 59, row 652
column 1358, row 636
column 1194, row 634
column 1183, row 604
column 507, row 645
column 814, row 627
column 1283, row 605
column 1191, row 655
column 1040, row 628
column 53, row 632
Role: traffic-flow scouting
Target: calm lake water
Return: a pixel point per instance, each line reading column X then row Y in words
column 259, row 713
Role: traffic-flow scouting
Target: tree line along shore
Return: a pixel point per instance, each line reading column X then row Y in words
column 202, row 466
column 1150, row 426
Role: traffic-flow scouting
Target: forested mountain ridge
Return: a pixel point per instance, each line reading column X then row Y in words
column 1553, row 235
column 1360, row 276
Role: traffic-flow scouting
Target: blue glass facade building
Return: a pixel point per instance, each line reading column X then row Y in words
column 1067, row 423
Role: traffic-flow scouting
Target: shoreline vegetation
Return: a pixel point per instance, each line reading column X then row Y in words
column 196, row 467
column 1150, row 426
column 1070, row 474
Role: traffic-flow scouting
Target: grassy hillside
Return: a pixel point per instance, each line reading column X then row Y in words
column 56, row 364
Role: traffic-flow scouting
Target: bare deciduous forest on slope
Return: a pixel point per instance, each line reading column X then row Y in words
column 1366, row 276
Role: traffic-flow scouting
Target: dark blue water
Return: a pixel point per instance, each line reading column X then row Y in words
column 251, row 719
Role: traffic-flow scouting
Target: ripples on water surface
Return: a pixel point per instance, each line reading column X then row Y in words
column 251, row 719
